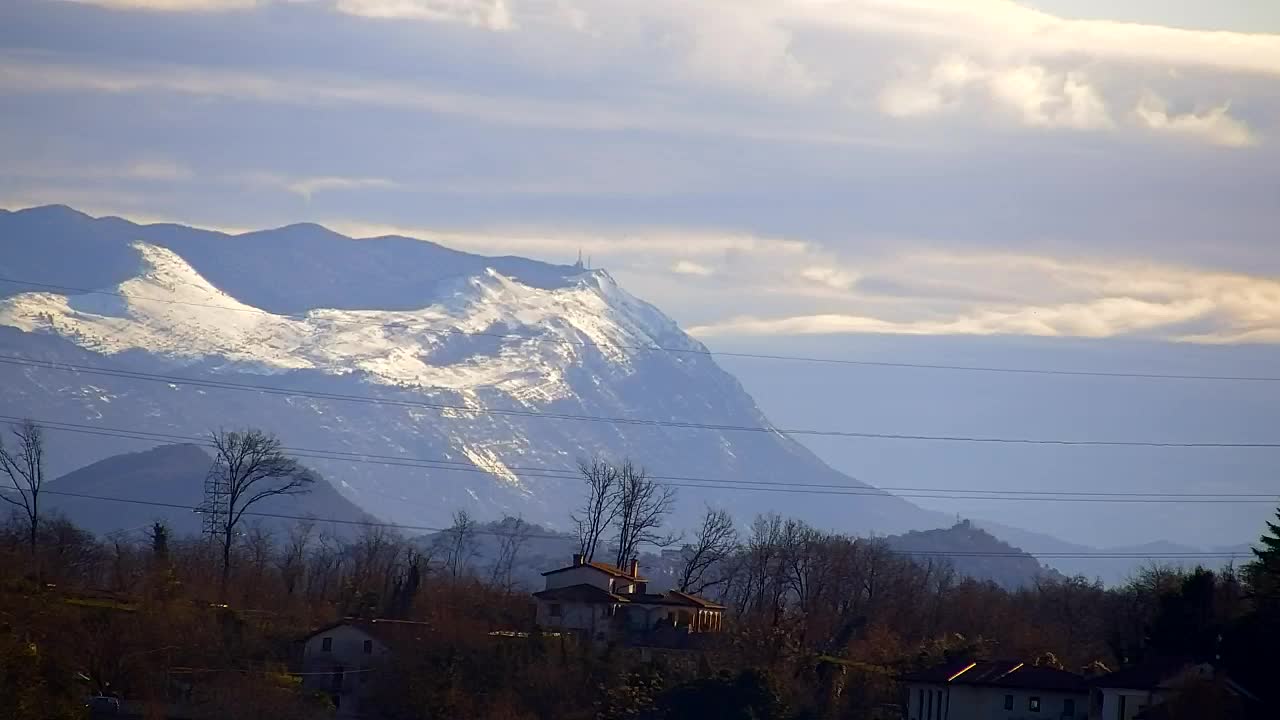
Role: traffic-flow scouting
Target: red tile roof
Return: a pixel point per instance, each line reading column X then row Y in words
column 603, row 567
column 585, row 592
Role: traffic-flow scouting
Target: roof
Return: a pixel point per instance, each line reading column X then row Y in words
column 586, row 592
column 1166, row 673
column 1001, row 673
column 1147, row 676
column 673, row 597
column 603, row 567
column 390, row 633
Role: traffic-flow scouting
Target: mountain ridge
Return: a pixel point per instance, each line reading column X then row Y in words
column 570, row 342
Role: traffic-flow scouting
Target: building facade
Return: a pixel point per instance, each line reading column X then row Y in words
column 1000, row 690
column 603, row 603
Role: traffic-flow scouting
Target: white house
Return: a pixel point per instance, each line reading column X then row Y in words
column 1000, row 690
column 341, row 659
column 1124, row 694
column 602, row 602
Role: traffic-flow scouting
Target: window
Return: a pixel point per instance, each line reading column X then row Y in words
column 1033, row 704
column 336, row 678
column 368, row 647
column 555, row 609
column 1069, row 707
column 1008, row 702
column 326, row 644
column 920, row 702
column 929, row 713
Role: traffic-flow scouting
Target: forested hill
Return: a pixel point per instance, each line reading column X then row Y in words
column 975, row 553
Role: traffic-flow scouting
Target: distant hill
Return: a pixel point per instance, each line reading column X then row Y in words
column 174, row 475
column 975, row 553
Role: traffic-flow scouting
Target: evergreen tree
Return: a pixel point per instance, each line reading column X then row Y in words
column 159, row 541
column 1263, row 574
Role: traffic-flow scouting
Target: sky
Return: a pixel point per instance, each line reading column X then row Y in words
column 1061, row 182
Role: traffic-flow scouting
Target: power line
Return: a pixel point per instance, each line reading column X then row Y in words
column 688, row 351
column 547, row 536
column 639, row 422
column 712, row 484
column 573, row 474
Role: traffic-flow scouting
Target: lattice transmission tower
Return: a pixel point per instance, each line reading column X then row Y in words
column 216, row 508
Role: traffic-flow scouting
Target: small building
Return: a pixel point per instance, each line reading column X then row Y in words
column 601, row 602
column 995, row 690
column 340, row 659
column 1140, row 692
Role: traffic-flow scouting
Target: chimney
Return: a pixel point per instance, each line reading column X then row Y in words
column 635, row 567
column 578, row 559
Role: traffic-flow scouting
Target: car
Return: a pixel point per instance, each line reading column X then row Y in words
column 103, row 705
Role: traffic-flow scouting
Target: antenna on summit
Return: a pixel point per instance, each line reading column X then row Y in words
column 579, row 263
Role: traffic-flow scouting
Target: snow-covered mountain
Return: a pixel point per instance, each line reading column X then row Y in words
column 388, row 347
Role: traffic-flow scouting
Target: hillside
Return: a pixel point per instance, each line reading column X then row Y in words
column 975, row 553
column 174, row 475
column 420, row 379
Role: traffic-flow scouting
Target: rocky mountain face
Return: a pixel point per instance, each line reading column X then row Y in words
column 418, row 379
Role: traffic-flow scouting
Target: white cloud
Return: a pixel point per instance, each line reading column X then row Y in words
column 1214, row 125
column 668, row 245
column 486, row 14
column 688, row 267
column 1042, row 296
column 829, row 276
column 1005, row 28
column 308, row 186
column 1031, row 94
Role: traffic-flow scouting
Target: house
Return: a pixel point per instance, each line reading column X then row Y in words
column 996, row 690
column 601, row 602
column 1139, row 692
column 340, row 659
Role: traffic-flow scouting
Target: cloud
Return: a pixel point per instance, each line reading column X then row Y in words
column 157, row 170
column 667, row 244
column 1030, row 94
column 688, row 267
column 830, row 277
column 1005, row 28
column 147, row 169
column 306, row 187
column 1042, row 296
column 19, row 74
column 486, row 14
column 172, row 5
column 1214, row 125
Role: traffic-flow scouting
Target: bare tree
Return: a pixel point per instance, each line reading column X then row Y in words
column 251, row 467
column 513, row 533
column 460, row 543
column 292, row 562
column 599, row 509
column 643, row 505
column 714, row 542
column 25, row 468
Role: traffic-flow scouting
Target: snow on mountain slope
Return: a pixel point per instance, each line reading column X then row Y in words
column 171, row 310
column 367, row 336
